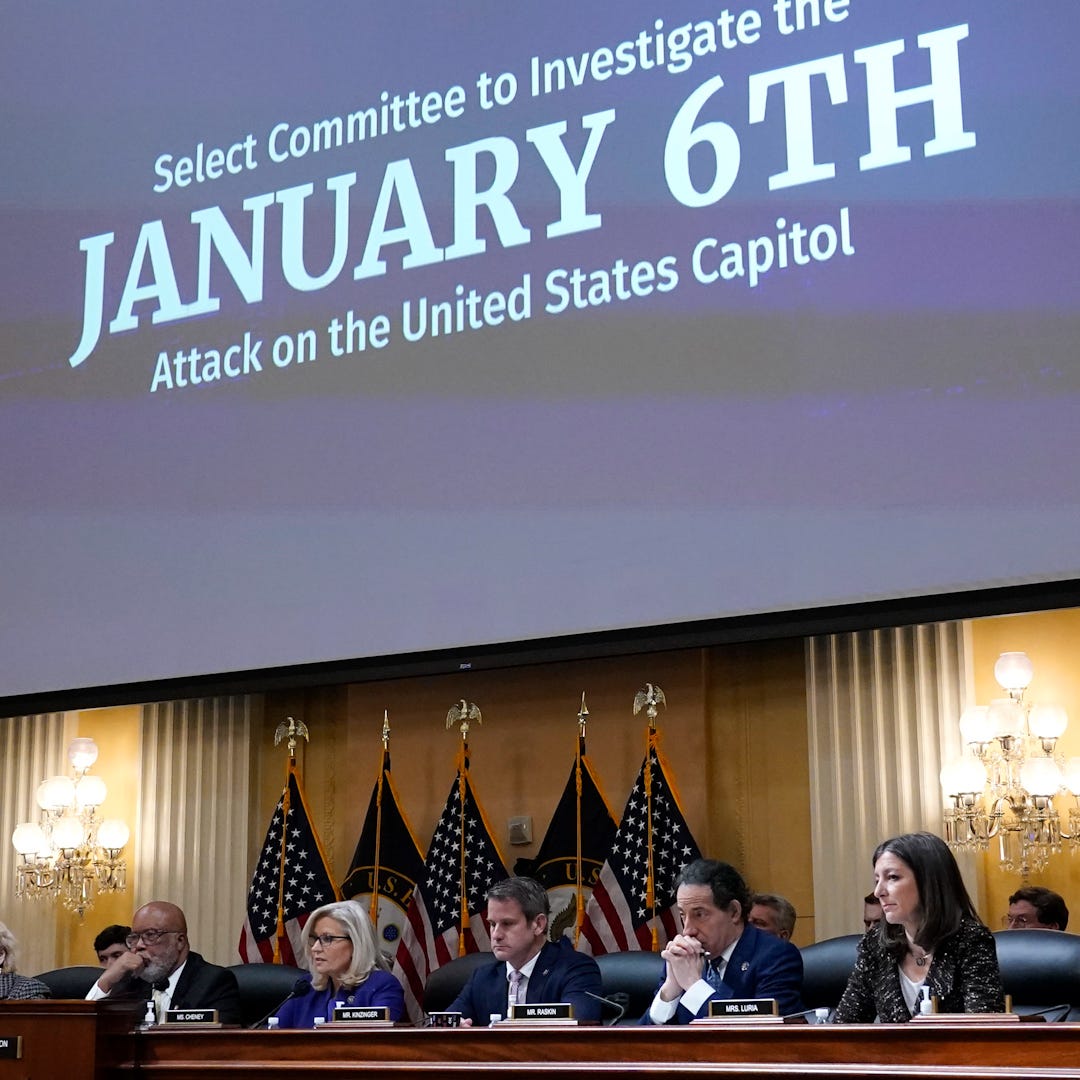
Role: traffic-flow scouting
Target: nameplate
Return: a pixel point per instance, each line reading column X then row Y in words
column 969, row 1018
column 555, row 1010
column 10, row 1046
column 743, row 1009
column 191, row 1016
column 361, row 1014
column 444, row 1019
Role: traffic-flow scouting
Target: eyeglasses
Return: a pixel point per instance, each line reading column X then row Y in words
column 325, row 940
column 1015, row 922
column 148, row 937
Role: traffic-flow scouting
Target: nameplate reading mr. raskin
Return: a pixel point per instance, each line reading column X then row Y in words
column 191, row 1016
column 359, row 1014
column 556, row 1010
column 742, row 1008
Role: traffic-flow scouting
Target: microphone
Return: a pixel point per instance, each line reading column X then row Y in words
column 820, row 1015
column 161, row 984
column 608, row 1001
column 300, row 988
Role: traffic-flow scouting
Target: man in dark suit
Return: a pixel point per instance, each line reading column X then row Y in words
column 719, row 955
column 161, row 965
column 530, row 968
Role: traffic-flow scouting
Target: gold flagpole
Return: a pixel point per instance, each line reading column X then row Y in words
column 579, row 917
column 291, row 729
column 460, row 714
column 378, row 816
column 650, row 697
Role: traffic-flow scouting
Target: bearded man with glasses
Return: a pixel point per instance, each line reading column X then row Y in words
column 161, row 966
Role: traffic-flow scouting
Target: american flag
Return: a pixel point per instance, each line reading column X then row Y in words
column 434, row 933
column 291, row 880
column 620, row 915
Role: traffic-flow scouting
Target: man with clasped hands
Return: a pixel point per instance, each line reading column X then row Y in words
column 160, row 959
column 719, row 955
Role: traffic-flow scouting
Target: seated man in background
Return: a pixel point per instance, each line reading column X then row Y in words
column 161, row 965
column 719, row 954
column 531, row 969
column 871, row 911
column 1036, row 908
column 773, row 914
column 111, row 944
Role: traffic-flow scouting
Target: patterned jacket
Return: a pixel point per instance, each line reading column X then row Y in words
column 963, row 976
column 21, row 987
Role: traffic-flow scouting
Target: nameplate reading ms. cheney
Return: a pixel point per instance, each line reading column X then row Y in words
column 191, row 1016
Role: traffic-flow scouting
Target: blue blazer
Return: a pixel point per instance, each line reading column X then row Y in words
column 560, row 974
column 762, row 966
column 379, row 988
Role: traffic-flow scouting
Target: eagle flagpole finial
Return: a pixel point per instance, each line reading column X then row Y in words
column 648, row 699
column 462, row 713
column 292, row 729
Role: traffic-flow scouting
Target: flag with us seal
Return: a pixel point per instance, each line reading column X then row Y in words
column 387, row 863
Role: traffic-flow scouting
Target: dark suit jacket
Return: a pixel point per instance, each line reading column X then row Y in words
column 201, row 986
column 560, row 974
column 963, row 976
column 762, row 966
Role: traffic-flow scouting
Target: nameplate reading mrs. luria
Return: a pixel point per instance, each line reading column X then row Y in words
column 744, row 1009
column 555, row 1010
column 10, row 1046
column 191, row 1016
column 361, row 1014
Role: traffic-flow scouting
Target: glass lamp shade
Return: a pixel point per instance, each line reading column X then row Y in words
column 90, row 791
column 113, row 834
column 28, row 839
column 1048, row 721
column 1005, row 718
column 82, row 753
column 1041, row 776
column 963, row 776
column 975, row 725
column 56, row 793
column 1072, row 775
column 1013, row 671
column 68, row 832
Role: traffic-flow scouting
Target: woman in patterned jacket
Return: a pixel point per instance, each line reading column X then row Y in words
column 929, row 944
column 12, row 986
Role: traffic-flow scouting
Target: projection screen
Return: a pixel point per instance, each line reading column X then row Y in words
column 339, row 331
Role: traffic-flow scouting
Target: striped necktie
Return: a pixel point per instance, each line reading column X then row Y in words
column 515, row 997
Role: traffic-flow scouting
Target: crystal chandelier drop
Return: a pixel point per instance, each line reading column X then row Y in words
column 1004, row 786
column 70, row 854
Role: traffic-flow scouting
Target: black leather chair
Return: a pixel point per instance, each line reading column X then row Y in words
column 1040, row 970
column 70, row 982
column 446, row 982
column 630, row 979
column 262, row 988
column 826, row 967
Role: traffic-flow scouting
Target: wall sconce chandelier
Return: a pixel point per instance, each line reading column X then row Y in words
column 1004, row 786
column 70, row 855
